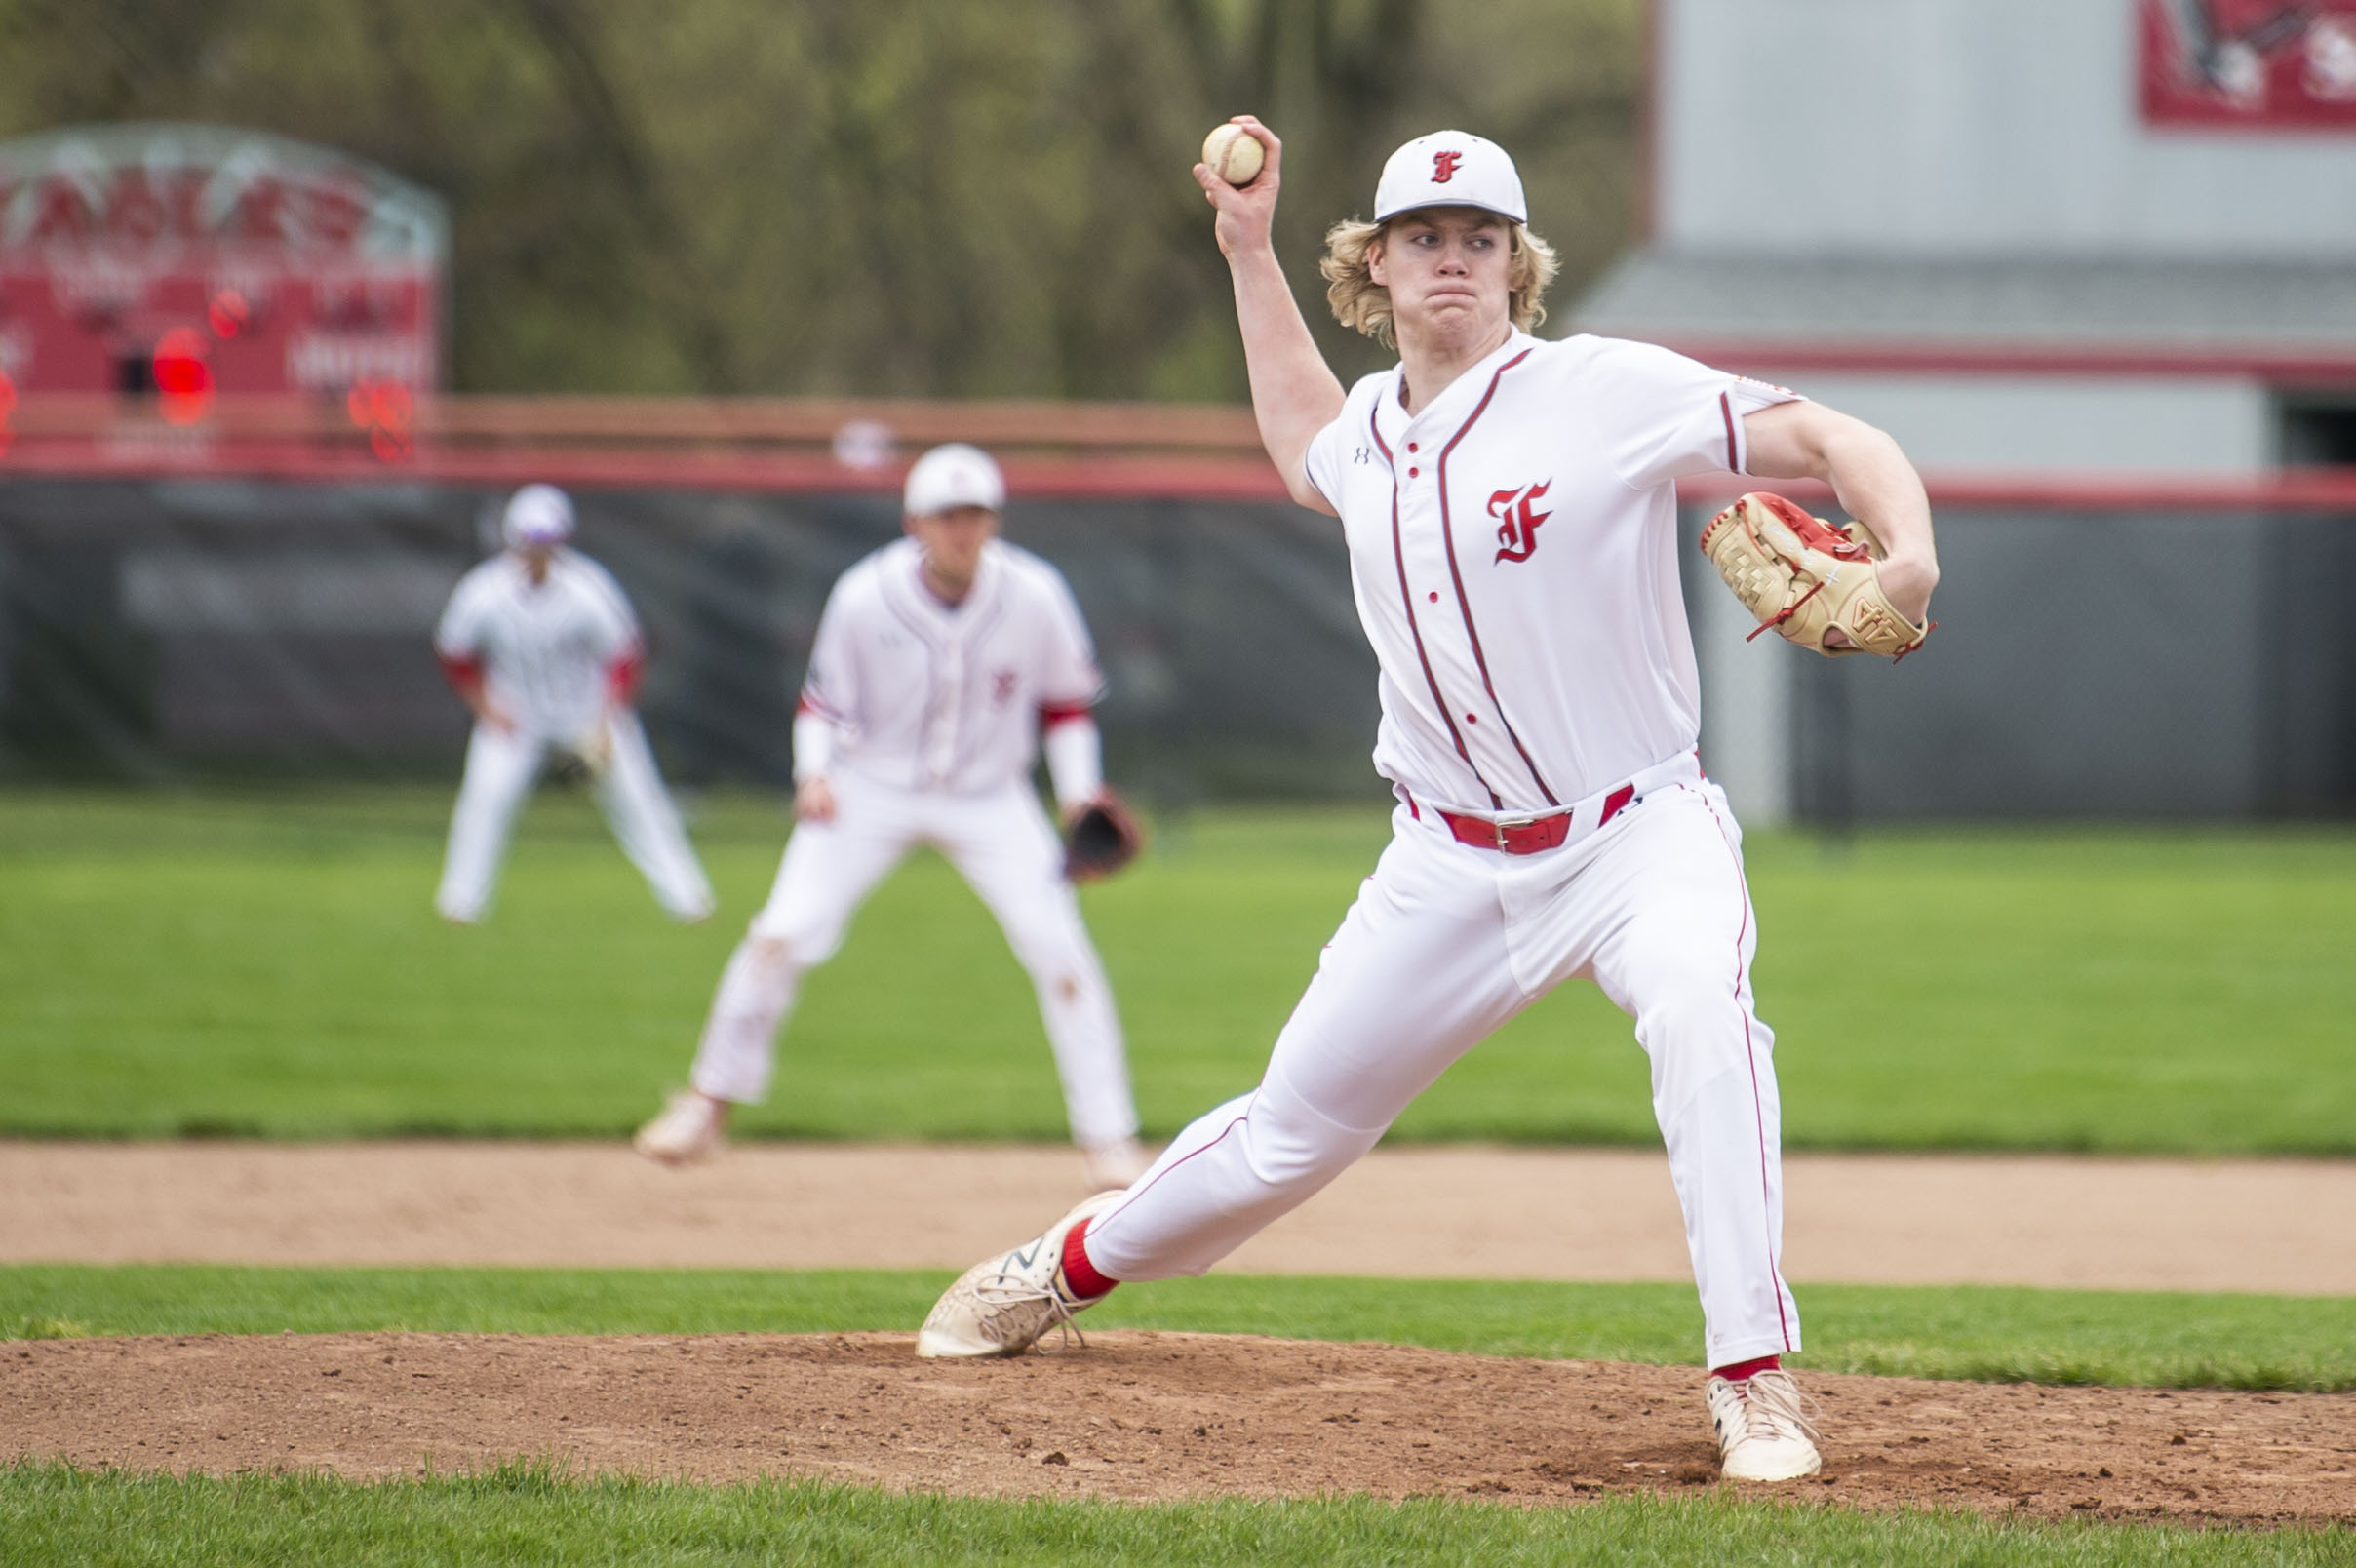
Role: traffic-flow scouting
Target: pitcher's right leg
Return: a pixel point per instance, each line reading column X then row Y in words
column 1416, row 976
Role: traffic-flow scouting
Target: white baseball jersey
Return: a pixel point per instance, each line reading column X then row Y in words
column 545, row 650
column 934, row 696
column 1513, row 549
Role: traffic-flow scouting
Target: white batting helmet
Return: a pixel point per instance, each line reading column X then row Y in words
column 952, row 475
column 1450, row 169
column 537, row 513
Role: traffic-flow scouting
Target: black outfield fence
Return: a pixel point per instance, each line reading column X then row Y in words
column 2089, row 663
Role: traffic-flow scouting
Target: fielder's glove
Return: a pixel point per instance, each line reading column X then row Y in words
column 594, row 749
column 1102, row 839
column 1803, row 576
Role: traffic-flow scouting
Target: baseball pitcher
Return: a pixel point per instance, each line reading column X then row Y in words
column 1510, row 509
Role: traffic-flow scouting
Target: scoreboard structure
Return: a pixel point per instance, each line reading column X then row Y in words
column 175, row 263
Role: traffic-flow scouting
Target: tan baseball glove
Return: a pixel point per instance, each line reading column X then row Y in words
column 1803, row 576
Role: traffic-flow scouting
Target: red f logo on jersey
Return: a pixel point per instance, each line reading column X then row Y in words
column 1443, row 167
column 1517, row 521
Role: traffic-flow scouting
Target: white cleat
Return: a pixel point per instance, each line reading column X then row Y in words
column 1002, row 1305
column 690, row 1128
column 1763, row 1430
column 1116, row 1164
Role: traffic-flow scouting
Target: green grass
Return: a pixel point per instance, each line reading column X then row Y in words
column 524, row 1513
column 268, row 964
column 2131, row 1338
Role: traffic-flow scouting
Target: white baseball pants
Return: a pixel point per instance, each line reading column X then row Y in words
column 1446, row 943
column 1003, row 846
column 501, row 766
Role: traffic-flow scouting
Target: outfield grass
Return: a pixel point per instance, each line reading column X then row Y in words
column 269, row 965
column 2125, row 1337
column 531, row 1514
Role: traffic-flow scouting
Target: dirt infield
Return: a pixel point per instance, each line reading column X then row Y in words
column 1154, row 1416
column 1146, row 1416
column 1453, row 1211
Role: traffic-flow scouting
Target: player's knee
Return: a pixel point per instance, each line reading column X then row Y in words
column 1291, row 1146
column 1058, row 967
column 768, row 954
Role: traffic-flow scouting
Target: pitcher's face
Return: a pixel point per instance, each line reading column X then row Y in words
column 1447, row 269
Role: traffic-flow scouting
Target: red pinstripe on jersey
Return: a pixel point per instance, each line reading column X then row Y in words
column 1448, row 533
column 1398, row 554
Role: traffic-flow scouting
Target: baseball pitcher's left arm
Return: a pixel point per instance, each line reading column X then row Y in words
column 1872, row 480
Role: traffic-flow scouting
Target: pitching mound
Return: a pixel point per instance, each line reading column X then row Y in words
column 1144, row 1416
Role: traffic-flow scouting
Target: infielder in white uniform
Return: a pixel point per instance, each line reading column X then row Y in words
column 541, row 643
column 1510, row 508
column 939, row 660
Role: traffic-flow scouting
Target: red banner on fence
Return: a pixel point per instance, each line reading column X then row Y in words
column 2264, row 64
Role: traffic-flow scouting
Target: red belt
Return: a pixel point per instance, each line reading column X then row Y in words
column 1529, row 836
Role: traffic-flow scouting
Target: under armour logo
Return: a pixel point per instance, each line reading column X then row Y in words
column 1002, row 687
column 1361, row 455
column 1443, row 167
column 1517, row 521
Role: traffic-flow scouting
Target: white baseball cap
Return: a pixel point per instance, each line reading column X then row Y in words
column 952, row 475
column 1450, row 169
column 537, row 513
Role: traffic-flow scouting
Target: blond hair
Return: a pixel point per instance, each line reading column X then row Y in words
column 1365, row 305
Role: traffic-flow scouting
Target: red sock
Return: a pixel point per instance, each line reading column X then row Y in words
column 1742, row 1369
column 1079, row 1273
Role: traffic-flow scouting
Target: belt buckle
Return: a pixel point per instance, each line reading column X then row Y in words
column 1500, row 824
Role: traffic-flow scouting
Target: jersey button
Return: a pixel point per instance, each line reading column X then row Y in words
column 1412, row 447
column 1433, row 596
column 1470, row 719
column 1412, row 472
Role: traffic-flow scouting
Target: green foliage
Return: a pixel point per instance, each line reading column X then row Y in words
column 269, row 966
column 861, row 196
column 521, row 1513
column 2142, row 1339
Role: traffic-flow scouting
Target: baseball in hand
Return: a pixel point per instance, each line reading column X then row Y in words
column 1234, row 154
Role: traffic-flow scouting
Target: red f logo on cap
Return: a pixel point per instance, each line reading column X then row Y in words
column 1443, row 167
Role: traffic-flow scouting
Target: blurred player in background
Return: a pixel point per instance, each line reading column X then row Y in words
column 940, row 660
column 1511, row 511
column 541, row 643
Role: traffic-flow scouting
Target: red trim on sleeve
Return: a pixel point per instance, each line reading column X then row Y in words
column 1399, row 557
column 1052, row 714
column 463, row 673
column 622, row 676
column 810, row 702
